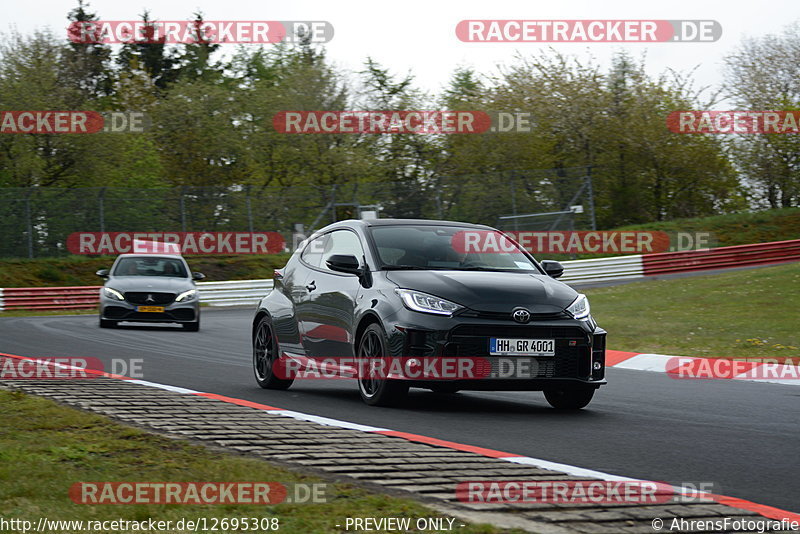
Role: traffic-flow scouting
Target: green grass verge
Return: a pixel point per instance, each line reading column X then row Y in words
column 45, row 448
column 739, row 314
column 725, row 230
column 736, row 228
column 732, row 229
column 79, row 270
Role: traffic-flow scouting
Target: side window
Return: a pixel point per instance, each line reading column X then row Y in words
column 312, row 254
column 342, row 242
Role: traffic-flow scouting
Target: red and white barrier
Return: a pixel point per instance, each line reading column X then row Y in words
column 248, row 292
column 721, row 258
column 49, row 298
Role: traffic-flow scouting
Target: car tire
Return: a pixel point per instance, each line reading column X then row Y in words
column 265, row 354
column 569, row 398
column 377, row 391
column 192, row 327
column 106, row 323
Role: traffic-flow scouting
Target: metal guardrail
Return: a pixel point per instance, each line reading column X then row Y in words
column 229, row 293
column 602, row 269
column 234, row 293
column 248, row 292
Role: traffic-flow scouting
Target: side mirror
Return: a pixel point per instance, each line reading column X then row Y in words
column 344, row 263
column 102, row 272
column 552, row 268
column 198, row 276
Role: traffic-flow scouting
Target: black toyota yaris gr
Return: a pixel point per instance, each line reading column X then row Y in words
column 447, row 306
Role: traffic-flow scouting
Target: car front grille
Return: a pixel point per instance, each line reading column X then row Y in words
column 531, row 331
column 145, row 298
column 509, row 367
column 115, row 312
column 506, row 316
column 183, row 314
column 125, row 314
column 572, row 349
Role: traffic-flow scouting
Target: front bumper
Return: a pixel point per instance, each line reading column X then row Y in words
column 579, row 359
column 176, row 312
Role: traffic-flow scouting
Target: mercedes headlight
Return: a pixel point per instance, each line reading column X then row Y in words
column 186, row 295
column 425, row 303
column 579, row 309
column 113, row 294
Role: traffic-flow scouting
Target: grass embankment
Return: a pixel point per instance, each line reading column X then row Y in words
column 722, row 231
column 45, row 448
column 734, row 229
column 740, row 314
column 79, row 270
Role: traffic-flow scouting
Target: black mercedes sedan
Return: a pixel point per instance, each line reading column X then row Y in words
column 447, row 306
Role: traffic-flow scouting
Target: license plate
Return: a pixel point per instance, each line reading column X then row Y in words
column 521, row 347
column 151, row 309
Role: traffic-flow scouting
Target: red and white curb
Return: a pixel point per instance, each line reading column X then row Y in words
column 687, row 367
column 764, row 510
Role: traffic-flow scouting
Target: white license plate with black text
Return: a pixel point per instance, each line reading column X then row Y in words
column 499, row 346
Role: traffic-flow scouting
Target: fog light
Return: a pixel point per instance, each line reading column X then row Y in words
column 597, row 366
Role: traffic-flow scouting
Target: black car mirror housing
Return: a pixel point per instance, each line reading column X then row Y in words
column 198, row 276
column 344, row 263
column 553, row 268
column 102, row 272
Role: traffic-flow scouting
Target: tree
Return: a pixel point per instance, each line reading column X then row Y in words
column 764, row 74
column 151, row 55
column 195, row 61
column 404, row 162
column 86, row 67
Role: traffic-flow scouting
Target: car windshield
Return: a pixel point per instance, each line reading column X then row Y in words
column 150, row 266
column 427, row 247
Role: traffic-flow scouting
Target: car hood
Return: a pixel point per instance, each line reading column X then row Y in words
column 490, row 291
column 165, row 284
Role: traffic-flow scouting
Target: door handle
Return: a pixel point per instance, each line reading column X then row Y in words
column 312, row 286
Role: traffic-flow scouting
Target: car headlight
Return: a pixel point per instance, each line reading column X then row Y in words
column 186, row 295
column 113, row 294
column 425, row 303
column 579, row 309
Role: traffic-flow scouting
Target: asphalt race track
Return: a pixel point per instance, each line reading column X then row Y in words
column 741, row 436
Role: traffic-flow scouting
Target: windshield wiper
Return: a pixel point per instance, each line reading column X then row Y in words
column 486, row 268
column 406, row 268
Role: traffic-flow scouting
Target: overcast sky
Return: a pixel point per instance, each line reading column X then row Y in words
column 419, row 35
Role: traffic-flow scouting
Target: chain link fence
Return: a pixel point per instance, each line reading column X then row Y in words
column 36, row 221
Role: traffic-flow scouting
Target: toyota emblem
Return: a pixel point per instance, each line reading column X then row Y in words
column 521, row 315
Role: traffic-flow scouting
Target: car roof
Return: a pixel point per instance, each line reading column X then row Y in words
column 406, row 222
column 150, row 255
